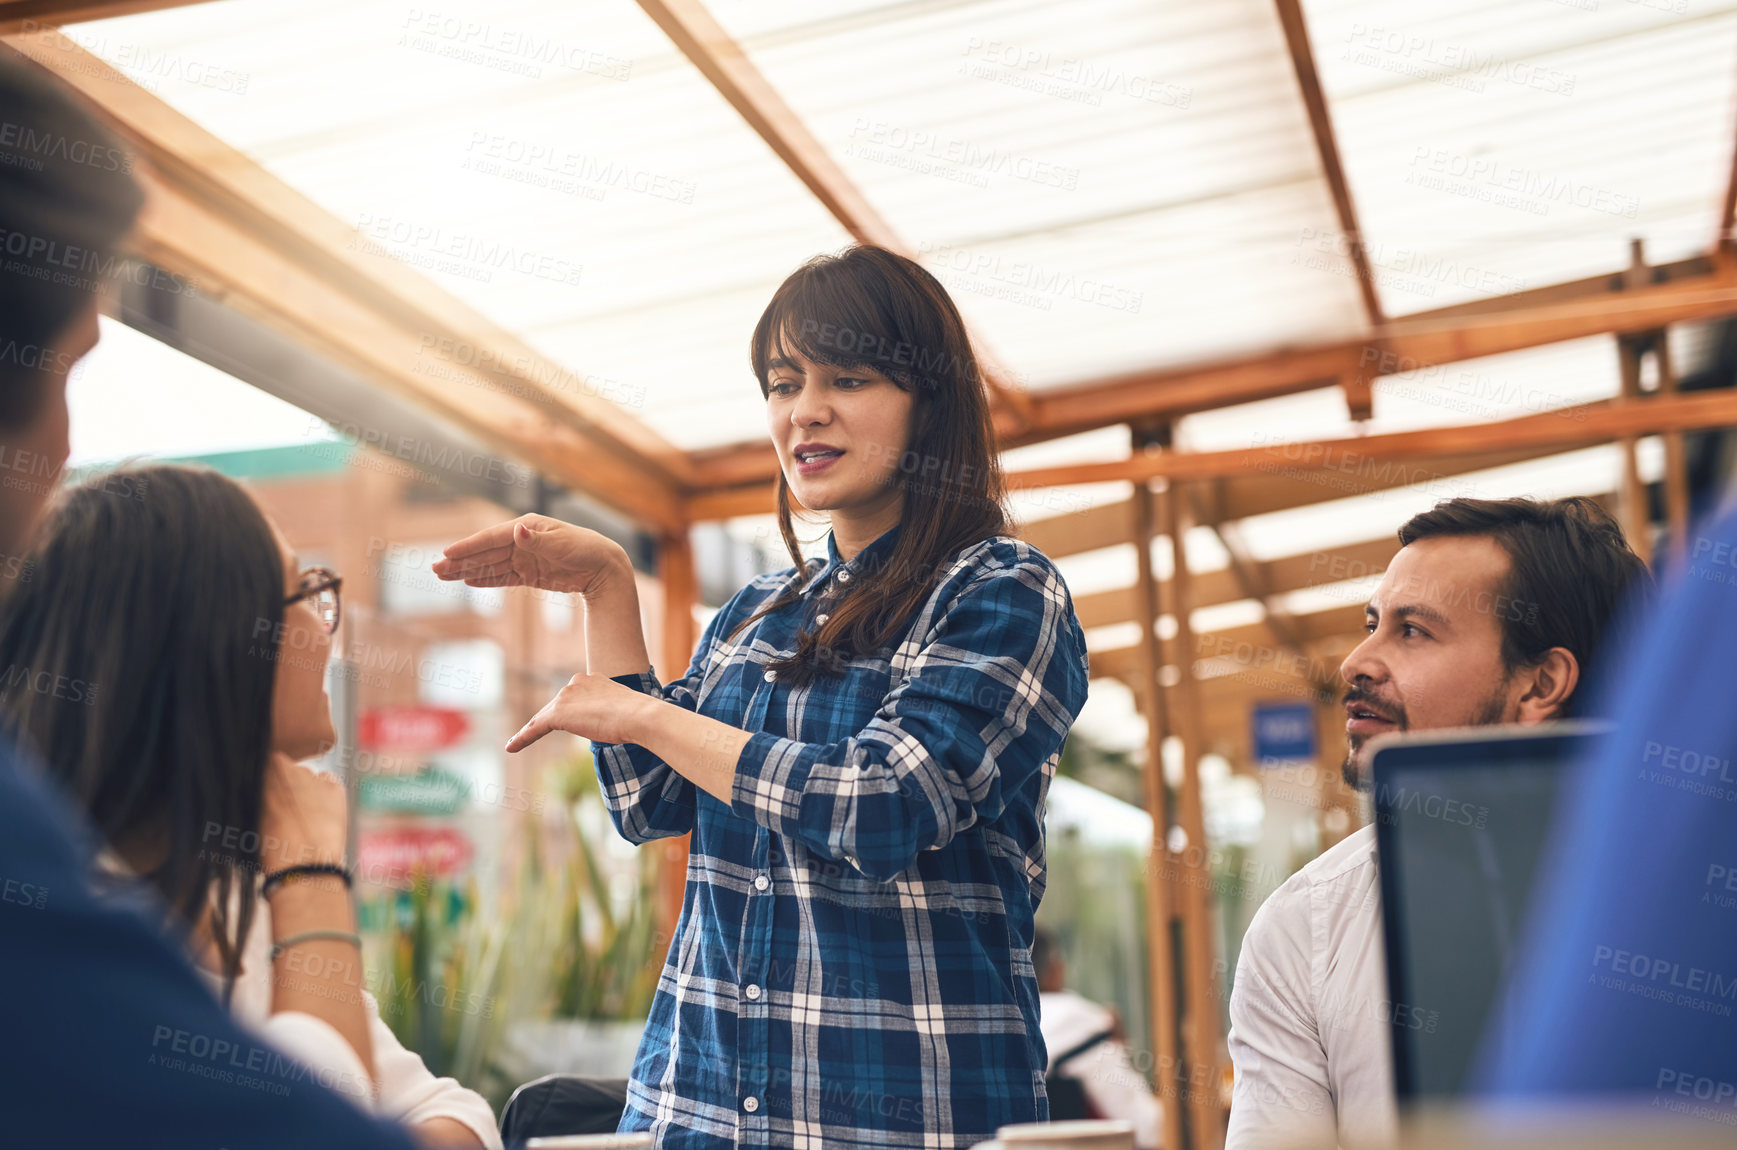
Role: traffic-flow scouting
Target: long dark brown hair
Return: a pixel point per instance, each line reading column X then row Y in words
column 871, row 308
column 138, row 661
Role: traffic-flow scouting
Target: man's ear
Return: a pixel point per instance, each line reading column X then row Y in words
column 1548, row 685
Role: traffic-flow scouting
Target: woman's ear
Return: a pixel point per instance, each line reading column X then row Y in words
column 1549, row 684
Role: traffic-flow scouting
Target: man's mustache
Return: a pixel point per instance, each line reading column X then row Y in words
column 1369, row 701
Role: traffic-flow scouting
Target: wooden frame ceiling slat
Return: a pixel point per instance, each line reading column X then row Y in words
column 1334, row 622
column 1694, row 290
column 676, row 487
column 239, row 233
column 27, row 15
column 698, row 35
column 1288, row 573
column 1583, row 426
column 1327, row 149
column 1348, row 467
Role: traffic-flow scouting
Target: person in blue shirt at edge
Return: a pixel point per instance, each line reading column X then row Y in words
column 1627, row 978
column 861, row 747
column 111, row 1039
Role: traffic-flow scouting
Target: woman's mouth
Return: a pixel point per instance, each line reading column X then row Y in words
column 814, row 462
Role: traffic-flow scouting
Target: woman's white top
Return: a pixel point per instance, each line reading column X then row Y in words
column 407, row 1091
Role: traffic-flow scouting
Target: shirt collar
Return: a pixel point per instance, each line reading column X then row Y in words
column 869, row 558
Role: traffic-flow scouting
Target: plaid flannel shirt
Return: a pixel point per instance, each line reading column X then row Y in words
column 852, row 965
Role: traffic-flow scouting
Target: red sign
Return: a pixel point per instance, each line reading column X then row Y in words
column 395, row 857
column 412, row 729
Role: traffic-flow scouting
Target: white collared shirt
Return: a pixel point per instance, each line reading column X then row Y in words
column 1309, row 1013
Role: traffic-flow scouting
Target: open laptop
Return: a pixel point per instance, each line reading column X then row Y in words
column 1462, row 819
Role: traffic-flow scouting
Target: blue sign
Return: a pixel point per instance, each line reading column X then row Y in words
column 1283, row 732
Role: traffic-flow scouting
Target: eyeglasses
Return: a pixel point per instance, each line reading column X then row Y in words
column 320, row 587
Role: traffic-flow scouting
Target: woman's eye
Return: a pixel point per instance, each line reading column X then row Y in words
column 782, row 387
column 1410, row 629
column 849, row 382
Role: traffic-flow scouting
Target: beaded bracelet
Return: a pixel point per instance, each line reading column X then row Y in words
column 305, row 870
column 316, row 936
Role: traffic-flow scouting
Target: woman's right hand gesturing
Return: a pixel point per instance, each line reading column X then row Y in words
column 535, row 551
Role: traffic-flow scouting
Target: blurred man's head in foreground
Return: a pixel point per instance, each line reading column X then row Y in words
column 67, row 200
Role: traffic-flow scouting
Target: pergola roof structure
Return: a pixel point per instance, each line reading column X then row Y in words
column 555, row 225
column 1402, row 235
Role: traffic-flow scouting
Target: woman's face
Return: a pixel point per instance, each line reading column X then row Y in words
column 840, row 433
column 301, row 714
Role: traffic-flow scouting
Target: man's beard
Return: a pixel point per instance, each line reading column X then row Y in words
column 1357, row 779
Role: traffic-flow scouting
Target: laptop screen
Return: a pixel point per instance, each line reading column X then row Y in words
column 1461, row 821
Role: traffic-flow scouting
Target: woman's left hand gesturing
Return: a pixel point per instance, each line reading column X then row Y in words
column 591, row 706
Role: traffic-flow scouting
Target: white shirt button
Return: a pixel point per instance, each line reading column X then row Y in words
column 750, row 1104
column 770, row 676
column 761, row 882
column 843, row 576
column 753, row 992
column 822, row 617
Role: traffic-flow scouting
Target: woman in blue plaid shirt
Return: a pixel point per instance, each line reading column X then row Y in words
column 860, row 748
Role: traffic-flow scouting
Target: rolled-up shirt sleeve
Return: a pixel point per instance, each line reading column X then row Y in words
column 986, row 702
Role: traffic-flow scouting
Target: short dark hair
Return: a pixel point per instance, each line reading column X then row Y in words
column 67, row 199
column 1570, row 569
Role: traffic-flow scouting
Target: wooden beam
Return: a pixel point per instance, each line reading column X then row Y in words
column 1289, row 573
column 680, row 585
column 1242, row 497
column 1249, row 573
column 1161, row 893
column 235, row 231
column 1727, row 212
column 33, row 15
column 1106, row 524
column 1632, row 501
column 1591, row 287
column 697, row 34
column 1245, row 645
column 1676, row 458
column 1400, row 345
column 1246, row 496
column 699, row 37
column 1698, row 288
column 1327, row 150
column 1406, row 453
column 1200, row 1023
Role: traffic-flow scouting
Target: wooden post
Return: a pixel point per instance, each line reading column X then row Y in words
column 1676, row 458
column 1631, row 501
column 1160, row 892
column 1632, row 494
column 675, row 564
column 1201, row 1033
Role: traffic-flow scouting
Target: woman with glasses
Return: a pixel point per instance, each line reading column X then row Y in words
column 861, row 748
column 165, row 652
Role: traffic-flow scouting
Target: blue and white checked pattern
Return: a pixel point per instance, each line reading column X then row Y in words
column 852, row 965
